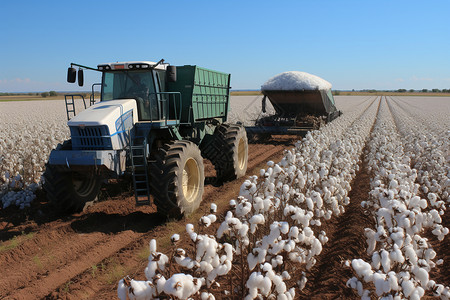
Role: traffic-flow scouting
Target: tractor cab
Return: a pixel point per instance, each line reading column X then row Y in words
column 143, row 81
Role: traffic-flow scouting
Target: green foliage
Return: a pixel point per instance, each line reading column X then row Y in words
column 401, row 90
column 424, row 90
column 53, row 93
column 436, row 90
column 44, row 94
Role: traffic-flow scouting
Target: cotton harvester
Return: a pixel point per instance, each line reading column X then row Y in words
column 154, row 122
column 302, row 102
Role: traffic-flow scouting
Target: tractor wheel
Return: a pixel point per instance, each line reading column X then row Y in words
column 229, row 152
column 69, row 191
column 177, row 179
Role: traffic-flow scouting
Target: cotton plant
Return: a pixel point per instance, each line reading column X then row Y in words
column 282, row 208
column 183, row 273
column 401, row 258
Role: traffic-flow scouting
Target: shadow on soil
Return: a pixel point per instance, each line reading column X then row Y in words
column 115, row 223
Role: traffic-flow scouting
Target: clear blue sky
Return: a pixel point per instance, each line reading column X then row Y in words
column 352, row 44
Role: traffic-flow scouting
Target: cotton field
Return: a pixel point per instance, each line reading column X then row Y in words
column 30, row 130
column 272, row 234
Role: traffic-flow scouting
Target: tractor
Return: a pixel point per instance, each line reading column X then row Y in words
column 154, row 123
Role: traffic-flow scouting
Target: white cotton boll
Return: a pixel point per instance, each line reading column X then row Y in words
column 352, row 282
column 205, row 221
column 152, row 246
column 212, row 218
column 285, row 275
column 376, row 260
column 193, row 236
column 408, row 287
column 213, row 208
column 233, row 203
column 393, row 281
column 430, row 254
column 421, row 274
column 182, row 286
column 207, row 296
column 122, row 290
column 140, row 290
column 363, row 269
column 175, row 238
column 379, row 280
column 323, row 237
column 414, row 202
column 284, row 227
column 189, row 228
column 423, row 203
column 309, row 203
column 258, row 204
column 371, row 240
column 396, row 254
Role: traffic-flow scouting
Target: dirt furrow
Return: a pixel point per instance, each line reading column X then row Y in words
column 346, row 241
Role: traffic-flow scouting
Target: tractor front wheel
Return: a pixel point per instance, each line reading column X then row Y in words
column 68, row 191
column 177, row 179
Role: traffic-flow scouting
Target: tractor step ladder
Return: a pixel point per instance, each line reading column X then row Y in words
column 70, row 106
column 140, row 167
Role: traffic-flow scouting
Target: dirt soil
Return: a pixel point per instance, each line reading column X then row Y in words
column 83, row 256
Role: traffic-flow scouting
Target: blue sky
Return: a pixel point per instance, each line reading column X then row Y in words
column 352, row 44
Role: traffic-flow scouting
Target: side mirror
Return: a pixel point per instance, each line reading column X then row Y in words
column 71, row 75
column 171, row 74
column 80, row 77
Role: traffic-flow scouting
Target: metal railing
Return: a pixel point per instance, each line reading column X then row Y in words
column 166, row 109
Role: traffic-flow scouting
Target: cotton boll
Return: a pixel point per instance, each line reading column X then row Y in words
column 407, row 287
column 363, row 269
column 122, row 290
column 421, row 274
column 379, row 282
column 140, row 290
column 189, row 228
column 284, row 227
column 302, row 282
column 205, row 221
column 371, row 239
column 376, row 260
column 182, row 286
column 213, row 208
column 207, row 296
column 309, row 203
column 175, row 238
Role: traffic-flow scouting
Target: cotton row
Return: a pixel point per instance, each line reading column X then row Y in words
column 400, row 258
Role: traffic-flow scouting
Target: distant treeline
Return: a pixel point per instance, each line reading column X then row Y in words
column 46, row 94
column 397, row 91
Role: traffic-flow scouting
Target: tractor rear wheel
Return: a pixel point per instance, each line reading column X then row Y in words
column 68, row 191
column 177, row 179
column 229, row 152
